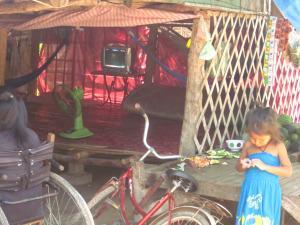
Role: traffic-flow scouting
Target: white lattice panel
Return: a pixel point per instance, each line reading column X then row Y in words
column 234, row 79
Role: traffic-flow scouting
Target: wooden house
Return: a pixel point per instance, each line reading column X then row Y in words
column 212, row 106
column 208, row 107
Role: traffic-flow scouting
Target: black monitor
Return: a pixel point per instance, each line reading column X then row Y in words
column 116, row 59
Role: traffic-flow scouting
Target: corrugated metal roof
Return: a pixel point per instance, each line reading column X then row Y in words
column 9, row 22
column 257, row 6
column 103, row 16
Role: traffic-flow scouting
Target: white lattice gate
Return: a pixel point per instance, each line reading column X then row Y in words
column 234, row 79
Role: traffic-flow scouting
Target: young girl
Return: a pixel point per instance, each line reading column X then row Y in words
column 264, row 158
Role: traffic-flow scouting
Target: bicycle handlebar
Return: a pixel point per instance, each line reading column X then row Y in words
column 152, row 150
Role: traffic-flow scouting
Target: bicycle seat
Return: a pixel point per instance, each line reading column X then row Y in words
column 188, row 183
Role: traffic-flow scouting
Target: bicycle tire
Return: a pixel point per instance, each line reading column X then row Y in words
column 98, row 201
column 185, row 215
column 3, row 219
column 57, row 209
column 101, row 196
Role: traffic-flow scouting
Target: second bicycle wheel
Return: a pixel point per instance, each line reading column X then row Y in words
column 184, row 216
column 60, row 204
column 3, row 219
column 64, row 204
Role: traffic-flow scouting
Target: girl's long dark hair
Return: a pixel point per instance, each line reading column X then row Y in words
column 262, row 120
column 13, row 116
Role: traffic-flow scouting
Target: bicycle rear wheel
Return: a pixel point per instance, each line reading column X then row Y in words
column 184, row 215
column 64, row 204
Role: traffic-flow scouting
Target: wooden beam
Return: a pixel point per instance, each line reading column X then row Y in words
column 114, row 163
column 32, row 87
column 181, row 6
column 292, row 206
column 3, row 47
column 193, row 99
column 150, row 64
column 174, row 8
column 30, row 6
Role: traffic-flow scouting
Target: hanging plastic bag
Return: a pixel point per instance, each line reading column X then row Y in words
column 208, row 51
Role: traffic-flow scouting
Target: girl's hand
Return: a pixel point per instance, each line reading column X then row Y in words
column 246, row 163
column 259, row 164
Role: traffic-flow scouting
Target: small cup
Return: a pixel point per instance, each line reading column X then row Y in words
column 235, row 145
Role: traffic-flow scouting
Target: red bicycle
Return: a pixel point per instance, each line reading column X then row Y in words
column 116, row 188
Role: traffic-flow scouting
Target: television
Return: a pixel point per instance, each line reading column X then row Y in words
column 116, row 59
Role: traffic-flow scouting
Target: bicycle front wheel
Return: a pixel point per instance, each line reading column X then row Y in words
column 184, row 215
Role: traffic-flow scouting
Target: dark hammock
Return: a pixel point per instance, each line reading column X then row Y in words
column 19, row 81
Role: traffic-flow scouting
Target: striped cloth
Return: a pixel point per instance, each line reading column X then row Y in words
column 103, row 16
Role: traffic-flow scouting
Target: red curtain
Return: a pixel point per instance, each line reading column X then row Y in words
column 77, row 62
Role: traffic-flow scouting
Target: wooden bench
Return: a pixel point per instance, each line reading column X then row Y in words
column 223, row 182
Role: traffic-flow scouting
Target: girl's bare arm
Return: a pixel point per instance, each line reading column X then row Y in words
column 239, row 166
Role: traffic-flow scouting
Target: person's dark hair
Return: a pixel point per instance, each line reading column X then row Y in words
column 262, row 120
column 13, row 116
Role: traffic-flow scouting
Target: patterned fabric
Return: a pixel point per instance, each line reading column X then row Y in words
column 260, row 198
column 27, row 210
column 103, row 16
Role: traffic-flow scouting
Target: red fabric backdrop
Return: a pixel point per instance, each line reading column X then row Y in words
column 76, row 62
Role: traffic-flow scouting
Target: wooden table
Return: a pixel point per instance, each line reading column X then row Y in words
column 224, row 182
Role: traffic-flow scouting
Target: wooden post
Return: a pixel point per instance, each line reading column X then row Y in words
column 150, row 64
column 51, row 137
column 32, row 86
column 3, row 47
column 22, row 61
column 193, row 98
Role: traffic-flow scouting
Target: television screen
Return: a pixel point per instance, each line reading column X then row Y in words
column 116, row 59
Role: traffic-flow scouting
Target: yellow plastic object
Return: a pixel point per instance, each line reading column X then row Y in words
column 188, row 43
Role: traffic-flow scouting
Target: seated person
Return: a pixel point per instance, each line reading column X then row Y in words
column 16, row 136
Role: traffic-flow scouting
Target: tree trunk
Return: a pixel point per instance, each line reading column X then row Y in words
column 193, row 98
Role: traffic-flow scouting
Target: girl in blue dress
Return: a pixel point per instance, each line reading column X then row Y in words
column 264, row 158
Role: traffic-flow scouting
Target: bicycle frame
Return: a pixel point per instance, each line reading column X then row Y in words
column 127, row 178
